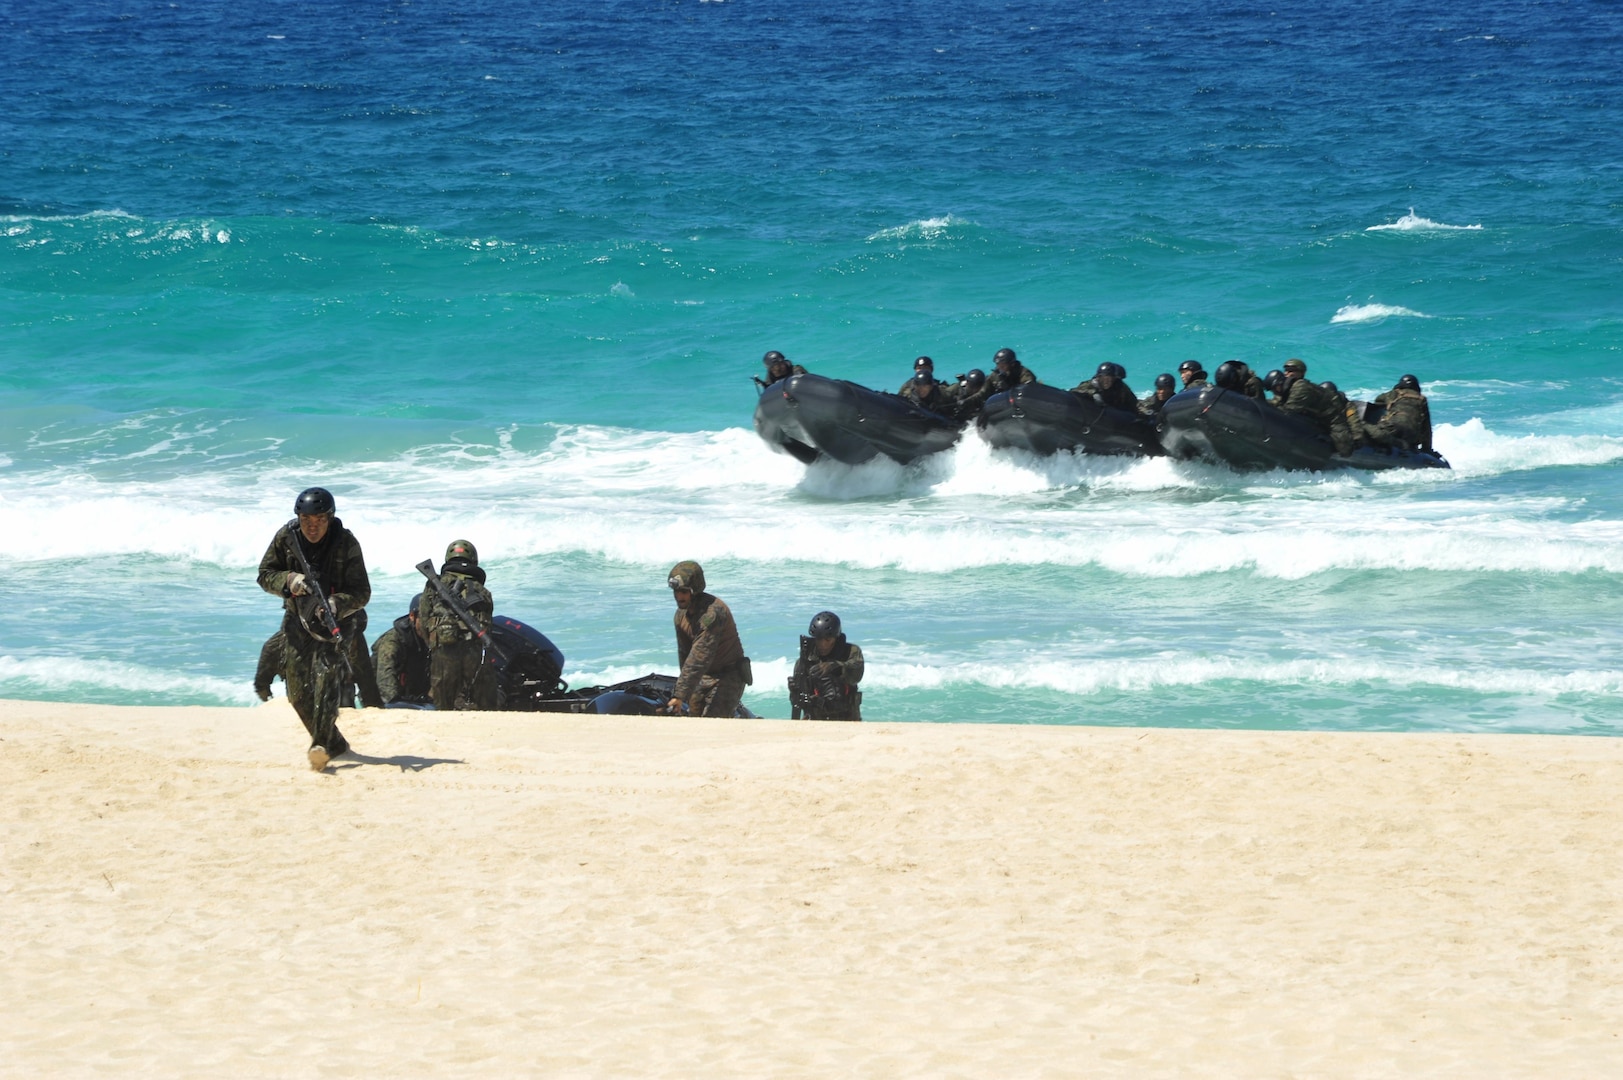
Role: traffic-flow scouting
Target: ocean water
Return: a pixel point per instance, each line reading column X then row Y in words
column 504, row 272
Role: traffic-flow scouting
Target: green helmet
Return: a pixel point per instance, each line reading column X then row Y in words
column 464, row 550
column 686, row 574
column 1295, row 366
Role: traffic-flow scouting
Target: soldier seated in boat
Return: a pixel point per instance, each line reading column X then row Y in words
column 1296, row 394
column 1165, row 387
column 1237, row 375
column 926, row 393
column 1355, row 422
column 1406, row 423
column 1192, row 374
column 1007, row 373
column 921, row 366
column 969, row 395
column 1108, row 387
column 778, row 368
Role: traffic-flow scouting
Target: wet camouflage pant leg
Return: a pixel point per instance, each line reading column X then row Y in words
column 724, row 699
column 315, row 679
column 452, row 670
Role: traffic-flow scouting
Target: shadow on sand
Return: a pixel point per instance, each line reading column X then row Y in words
column 406, row 762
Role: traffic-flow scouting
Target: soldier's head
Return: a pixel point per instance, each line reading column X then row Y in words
column 1105, row 376
column 1295, row 367
column 1230, row 375
column 1004, row 360
column 462, row 551
column 315, row 508
column 924, row 363
column 1165, row 385
column 974, row 380
column 686, row 580
column 924, row 386
column 825, row 630
column 777, row 367
column 1330, row 386
column 1190, row 371
column 1274, row 382
column 1408, row 382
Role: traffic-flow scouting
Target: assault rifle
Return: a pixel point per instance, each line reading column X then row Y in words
column 324, row 608
column 426, row 568
column 801, row 694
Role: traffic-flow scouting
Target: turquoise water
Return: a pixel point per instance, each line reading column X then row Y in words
column 507, row 274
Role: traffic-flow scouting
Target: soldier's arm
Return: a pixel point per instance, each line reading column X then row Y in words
column 852, row 667
column 355, row 591
column 273, row 566
column 712, row 627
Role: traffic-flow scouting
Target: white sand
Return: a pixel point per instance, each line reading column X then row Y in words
column 498, row 894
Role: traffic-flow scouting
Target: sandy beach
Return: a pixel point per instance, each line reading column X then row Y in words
column 484, row 894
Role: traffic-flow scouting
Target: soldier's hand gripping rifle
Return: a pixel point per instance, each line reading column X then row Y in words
column 426, row 568
column 801, row 694
column 324, row 608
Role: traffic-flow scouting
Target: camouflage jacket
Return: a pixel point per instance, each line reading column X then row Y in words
column 440, row 622
column 337, row 561
column 843, row 666
column 996, row 383
column 1408, row 416
column 706, row 642
column 1312, row 402
column 1152, row 405
column 400, row 656
column 940, row 402
column 1119, row 396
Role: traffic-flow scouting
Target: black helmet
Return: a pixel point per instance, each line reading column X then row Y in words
column 416, row 602
column 1274, row 380
column 1189, row 365
column 975, row 379
column 923, row 381
column 1330, row 386
column 1408, row 382
column 924, row 363
column 772, row 357
column 1004, row 354
column 1119, row 371
column 1230, row 375
column 824, row 624
column 313, row 501
column 1165, row 381
column 1106, row 368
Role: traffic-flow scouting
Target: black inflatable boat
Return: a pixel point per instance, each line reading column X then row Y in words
column 1226, row 426
column 528, row 680
column 1046, row 420
column 808, row 416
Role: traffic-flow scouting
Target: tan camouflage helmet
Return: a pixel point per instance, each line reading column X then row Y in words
column 686, row 574
column 1295, row 366
column 462, row 549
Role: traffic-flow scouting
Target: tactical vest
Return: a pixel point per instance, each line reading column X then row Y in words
column 444, row 625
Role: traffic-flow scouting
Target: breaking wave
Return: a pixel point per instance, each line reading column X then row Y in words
column 1412, row 222
column 1363, row 313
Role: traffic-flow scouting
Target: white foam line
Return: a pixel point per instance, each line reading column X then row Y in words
column 62, row 673
column 1411, row 222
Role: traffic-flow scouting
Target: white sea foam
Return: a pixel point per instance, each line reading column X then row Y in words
column 22, row 676
column 608, row 493
column 1363, row 313
column 924, row 229
column 1411, row 222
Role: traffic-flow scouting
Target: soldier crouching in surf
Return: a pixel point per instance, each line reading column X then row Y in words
column 315, row 565
column 824, row 683
column 707, row 643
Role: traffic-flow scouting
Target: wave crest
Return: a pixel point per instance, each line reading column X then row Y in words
column 1411, row 222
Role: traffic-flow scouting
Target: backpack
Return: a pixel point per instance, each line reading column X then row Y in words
column 444, row 625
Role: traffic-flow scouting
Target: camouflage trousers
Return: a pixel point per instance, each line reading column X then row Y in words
column 272, row 659
column 719, row 697
column 315, row 680
column 459, row 678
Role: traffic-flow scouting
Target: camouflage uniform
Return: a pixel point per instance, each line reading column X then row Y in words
column 997, row 382
column 458, row 675
column 1407, row 420
column 940, row 399
column 707, row 643
column 1152, row 405
column 1355, row 423
column 1119, row 396
column 313, row 668
column 402, row 663
column 272, row 655
column 842, row 668
column 1313, row 402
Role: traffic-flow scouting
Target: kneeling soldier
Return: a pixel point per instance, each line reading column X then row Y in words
column 824, row 685
column 706, row 644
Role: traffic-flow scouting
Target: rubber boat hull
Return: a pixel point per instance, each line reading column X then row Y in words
column 809, row 417
column 1046, row 420
column 1226, row 426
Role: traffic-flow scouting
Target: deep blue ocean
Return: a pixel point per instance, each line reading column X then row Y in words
column 504, row 272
